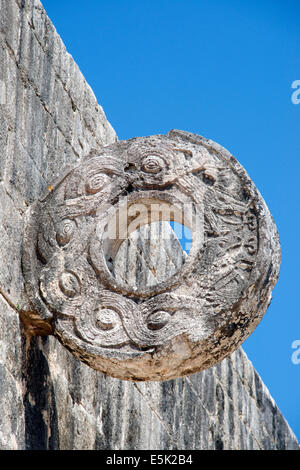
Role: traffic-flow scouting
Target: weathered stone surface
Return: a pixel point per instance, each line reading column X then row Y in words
column 49, row 399
column 151, row 327
column 151, row 254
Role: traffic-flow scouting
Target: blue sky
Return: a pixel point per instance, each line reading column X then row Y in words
column 224, row 70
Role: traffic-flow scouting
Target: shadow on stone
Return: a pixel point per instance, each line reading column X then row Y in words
column 41, row 422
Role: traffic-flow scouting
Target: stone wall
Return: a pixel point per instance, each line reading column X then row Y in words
column 49, row 118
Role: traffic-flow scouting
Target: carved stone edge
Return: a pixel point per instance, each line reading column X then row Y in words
column 142, row 368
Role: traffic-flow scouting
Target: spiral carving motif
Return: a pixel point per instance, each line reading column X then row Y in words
column 186, row 312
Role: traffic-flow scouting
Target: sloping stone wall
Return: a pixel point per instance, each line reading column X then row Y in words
column 49, row 118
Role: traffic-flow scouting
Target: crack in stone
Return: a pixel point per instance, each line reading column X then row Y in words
column 156, row 414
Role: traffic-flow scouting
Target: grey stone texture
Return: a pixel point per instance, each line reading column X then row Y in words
column 151, row 329
column 49, row 117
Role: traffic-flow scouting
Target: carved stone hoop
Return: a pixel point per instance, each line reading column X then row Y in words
column 107, row 275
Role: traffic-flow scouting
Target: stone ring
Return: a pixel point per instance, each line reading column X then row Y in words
column 107, row 275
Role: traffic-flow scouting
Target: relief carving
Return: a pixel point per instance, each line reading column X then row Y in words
column 104, row 269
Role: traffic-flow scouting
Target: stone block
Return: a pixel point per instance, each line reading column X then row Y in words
column 48, row 399
column 10, row 23
column 11, row 279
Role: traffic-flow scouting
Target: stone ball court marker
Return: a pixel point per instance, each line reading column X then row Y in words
column 106, row 274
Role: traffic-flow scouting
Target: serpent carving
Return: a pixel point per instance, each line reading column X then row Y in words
column 175, row 325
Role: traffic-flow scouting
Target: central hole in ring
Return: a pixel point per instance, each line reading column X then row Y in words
column 147, row 242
